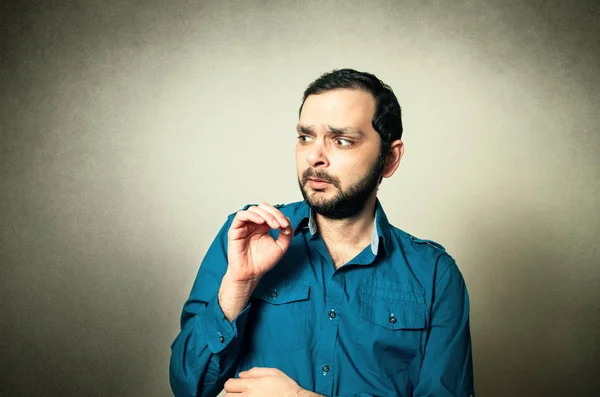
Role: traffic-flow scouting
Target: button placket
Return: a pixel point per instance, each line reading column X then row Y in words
column 334, row 306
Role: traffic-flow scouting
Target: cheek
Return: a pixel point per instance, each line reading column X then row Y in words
column 300, row 154
column 348, row 169
column 300, row 160
column 301, row 164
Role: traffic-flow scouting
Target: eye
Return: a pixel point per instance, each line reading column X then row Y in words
column 343, row 142
column 304, row 138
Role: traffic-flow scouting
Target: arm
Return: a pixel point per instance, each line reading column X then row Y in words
column 351, row 395
column 205, row 352
column 261, row 382
column 447, row 369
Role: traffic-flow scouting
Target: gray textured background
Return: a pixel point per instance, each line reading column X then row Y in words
column 129, row 130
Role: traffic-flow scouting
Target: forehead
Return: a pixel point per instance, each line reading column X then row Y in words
column 342, row 107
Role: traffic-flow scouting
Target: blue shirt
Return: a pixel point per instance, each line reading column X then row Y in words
column 393, row 321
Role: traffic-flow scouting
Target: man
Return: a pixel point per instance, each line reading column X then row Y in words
column 324, row 296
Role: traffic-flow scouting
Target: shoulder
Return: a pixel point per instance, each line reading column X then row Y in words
column 416, row 242
column 425, row 244
column 426, row 252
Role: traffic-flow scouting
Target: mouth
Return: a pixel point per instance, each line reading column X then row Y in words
column 317, row 184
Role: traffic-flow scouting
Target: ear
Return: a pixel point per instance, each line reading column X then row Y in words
column 393, row 158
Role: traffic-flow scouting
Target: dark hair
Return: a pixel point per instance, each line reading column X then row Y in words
column 387, row 120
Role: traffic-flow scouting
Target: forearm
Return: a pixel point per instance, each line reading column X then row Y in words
column 199, row 365
column 234, row 296
column 190, row 366
column 307, row 393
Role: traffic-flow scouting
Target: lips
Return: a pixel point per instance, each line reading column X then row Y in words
column 318, row 184
column 319, row 179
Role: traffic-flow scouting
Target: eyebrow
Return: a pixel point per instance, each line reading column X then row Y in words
column 333, row 130
column 345, row 131
column 304, row 129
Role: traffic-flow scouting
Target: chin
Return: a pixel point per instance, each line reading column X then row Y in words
column 319, row 198
column 322, row 194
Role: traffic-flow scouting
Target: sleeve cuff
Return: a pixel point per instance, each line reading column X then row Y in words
column 218, row 331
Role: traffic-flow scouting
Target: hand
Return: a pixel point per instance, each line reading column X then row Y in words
column 252, row 252
column 264, row 382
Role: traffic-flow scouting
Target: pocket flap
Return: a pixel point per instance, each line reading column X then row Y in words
column 393, row 315
column 277, row 295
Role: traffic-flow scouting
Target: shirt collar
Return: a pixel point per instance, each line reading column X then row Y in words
column 381, row 232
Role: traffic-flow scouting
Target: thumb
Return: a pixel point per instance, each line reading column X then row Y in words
column 284, row 238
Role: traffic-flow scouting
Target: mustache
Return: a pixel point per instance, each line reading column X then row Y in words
column 319, row 174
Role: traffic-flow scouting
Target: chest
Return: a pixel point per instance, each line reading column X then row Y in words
column 341, row 255
column 376, row 324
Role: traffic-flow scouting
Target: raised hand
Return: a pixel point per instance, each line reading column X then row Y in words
column 252, row 251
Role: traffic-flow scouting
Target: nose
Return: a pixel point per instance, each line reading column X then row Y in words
column 316, row 155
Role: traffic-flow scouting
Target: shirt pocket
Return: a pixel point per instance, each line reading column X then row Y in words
column 277, row 322
column 393, row 321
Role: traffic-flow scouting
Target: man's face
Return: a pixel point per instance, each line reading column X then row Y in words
column 337, row 152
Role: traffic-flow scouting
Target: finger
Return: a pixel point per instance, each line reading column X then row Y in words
column 284, row 238
column 248, row 229
column 283, row 221
column 258, row 372
column 266, row 215
column 234, row 385
column 241, row 229
column 243, row 217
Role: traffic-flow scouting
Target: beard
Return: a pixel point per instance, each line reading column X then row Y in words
column 348, row 202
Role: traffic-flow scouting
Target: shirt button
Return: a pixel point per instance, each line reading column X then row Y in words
column 221, row 339
column 325, row 368
column 274, row 294
column 393, row 319
column 332, row 314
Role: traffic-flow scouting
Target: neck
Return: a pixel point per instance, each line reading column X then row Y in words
column 352, row 232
